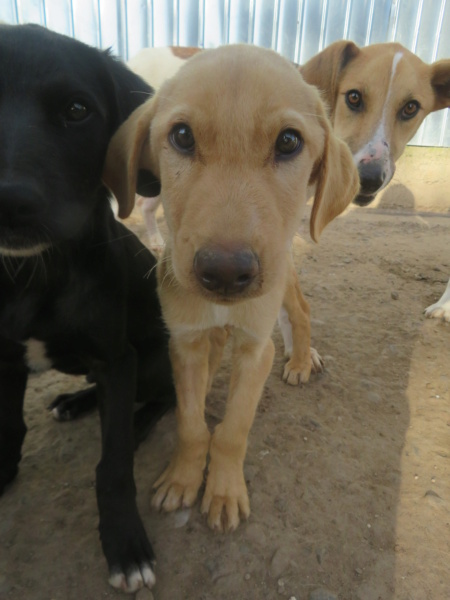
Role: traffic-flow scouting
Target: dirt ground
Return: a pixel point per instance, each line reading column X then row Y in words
column 348, row 476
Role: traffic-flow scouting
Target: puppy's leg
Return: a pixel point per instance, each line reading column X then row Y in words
column 180, row 482
column 148, row 208
column 13, row 381
column 226, row 497
column 125, row 545
column 441, row 308
column 296, row 330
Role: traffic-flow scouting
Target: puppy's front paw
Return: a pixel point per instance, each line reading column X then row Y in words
column 128, row 553
column 179, row 484
column 298, row 371
column 439, row 310
column 317, row 363
column 226, row 498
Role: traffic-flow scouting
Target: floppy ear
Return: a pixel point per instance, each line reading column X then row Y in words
column 127, row 154
column 337, row 181
column 323, row 69
column 128, row 91
column 440, row 80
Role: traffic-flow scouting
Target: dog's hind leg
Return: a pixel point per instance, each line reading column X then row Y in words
column 296, row 330
column 179, row 484
column 67, row 407
column 226, row 498
column 13, row 381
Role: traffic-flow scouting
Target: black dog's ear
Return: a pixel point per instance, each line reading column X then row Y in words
column 129, row 90
column 147, row 184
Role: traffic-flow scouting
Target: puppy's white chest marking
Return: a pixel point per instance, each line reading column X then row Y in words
column 36, row 357
column 220, row 315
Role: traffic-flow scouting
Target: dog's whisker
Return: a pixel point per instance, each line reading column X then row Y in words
column 116, row 239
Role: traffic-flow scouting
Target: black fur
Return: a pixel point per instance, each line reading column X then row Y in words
column 90, row 296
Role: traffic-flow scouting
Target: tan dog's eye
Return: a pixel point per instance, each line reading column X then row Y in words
column 289, row 142
column 353, row 99
column 410, row 110
column 182, row 138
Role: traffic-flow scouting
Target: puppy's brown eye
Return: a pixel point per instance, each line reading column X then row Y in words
column 410, row 110
column 289, row 142
column 353, row 99
column 182, row 138
column 76, row 111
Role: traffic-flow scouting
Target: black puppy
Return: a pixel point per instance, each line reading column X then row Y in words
column 77, row 289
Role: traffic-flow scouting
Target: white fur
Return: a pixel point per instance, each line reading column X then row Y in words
column 441, row 308
column 36, row 357
column 286, row 331
column 24, row 252
column 135, row 581
column 378, row 146
column 155, row 65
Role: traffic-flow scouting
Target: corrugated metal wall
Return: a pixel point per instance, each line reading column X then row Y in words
column 298, row 29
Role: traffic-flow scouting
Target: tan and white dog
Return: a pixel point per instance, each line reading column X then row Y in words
column 236, row 138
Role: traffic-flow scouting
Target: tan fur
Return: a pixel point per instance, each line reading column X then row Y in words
column 343, row 66
column 232, row 191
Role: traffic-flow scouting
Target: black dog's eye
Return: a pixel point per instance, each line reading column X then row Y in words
column 353, row 99
column 410, row 110
column 76, row 111
column 182, row 138
column 289, row 142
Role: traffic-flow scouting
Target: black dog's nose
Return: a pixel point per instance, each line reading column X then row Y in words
column 19, row 204
column 226, row 271
column 371, row 176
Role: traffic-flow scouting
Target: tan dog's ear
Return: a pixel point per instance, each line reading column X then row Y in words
column 323, row 69
column 337, row 181
column 440, row 80
column 126, row 155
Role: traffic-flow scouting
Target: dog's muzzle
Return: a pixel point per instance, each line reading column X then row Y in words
column 374, row 175
column 226, row 272
column 21, row 207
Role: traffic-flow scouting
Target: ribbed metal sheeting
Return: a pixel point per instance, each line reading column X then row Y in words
column 298, row 29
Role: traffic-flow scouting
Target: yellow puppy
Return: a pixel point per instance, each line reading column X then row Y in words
column 235, row 138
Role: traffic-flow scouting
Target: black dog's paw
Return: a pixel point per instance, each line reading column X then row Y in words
column 134, row 580
column 67, row 407
column 129, row 554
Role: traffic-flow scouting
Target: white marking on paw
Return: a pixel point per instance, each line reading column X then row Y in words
column 135, row 580
column 149, row 576
column 117, row 581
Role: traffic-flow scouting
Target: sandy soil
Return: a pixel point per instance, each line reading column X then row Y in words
column 349, row 476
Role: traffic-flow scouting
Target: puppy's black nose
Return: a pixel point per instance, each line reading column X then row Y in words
column 371, row 176
column 19, row 204
column 226, row 271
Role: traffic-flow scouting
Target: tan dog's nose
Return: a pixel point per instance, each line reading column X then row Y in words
column 226, row 271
